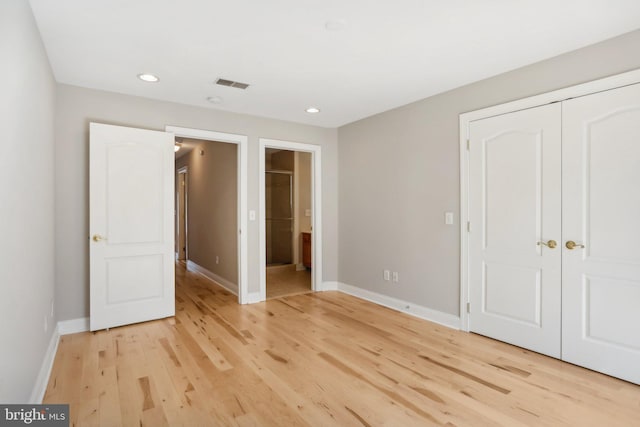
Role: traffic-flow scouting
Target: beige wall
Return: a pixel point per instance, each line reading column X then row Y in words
column 399, row 173
column 212, row 218
column 27, row 100
column 76, row 107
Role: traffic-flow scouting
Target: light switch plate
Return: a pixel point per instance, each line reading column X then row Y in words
column 448, row 218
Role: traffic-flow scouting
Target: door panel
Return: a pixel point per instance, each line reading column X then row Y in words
column 514, row 203
column 601, row 210
column 131, row 217
column 133, row 196
column 512, row 292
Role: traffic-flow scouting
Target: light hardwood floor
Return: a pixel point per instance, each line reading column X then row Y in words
column 318, row 359
column 284, row 280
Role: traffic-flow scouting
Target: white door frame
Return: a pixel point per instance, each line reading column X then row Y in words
column 624, row 79
column 242, row 142
column 316, row 209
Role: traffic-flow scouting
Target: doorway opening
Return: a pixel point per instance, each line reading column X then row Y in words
column 290, row 238
column 210, row 247
column 287, row 200
column 182, row 215
column 217, row 250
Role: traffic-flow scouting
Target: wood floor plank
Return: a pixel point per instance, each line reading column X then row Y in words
column 318, row 359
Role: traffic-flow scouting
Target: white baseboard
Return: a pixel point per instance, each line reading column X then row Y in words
column 253, row 297
column 73, row 326
column 445, row 319
column 330, row 286
column 231, row 287
column 42, row 380
column 64, row 327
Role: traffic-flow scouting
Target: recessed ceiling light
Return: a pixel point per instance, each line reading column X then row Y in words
column 146, row 77
column 215, row 99
column 335, row 25
column 312, row 110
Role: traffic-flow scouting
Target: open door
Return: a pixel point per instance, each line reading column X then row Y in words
column 132, row 274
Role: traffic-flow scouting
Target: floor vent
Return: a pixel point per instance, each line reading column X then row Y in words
column 231, row 83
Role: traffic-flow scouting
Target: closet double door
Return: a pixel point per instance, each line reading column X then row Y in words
column 554, row 241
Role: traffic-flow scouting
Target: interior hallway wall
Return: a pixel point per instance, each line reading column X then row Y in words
column 212, row 218
column 27, row 100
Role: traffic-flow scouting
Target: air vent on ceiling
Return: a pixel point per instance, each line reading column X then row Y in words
column 231, row 83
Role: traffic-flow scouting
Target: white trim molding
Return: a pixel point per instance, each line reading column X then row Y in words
column 316, row 209
column 63, row 327
column 600, row 85
column 331, row 286
column 415, row 310
column 243, row 169
column 40, row 386
column 73, row 326
column 253, row 297
column 218, row 280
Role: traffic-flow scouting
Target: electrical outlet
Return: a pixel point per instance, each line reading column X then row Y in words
column 396, row 278
column 386, row 274
column 217, row 259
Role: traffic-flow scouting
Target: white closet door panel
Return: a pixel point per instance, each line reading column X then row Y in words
column 601, row 210
column 515, row 203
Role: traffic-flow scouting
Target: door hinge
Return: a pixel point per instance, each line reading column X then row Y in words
column 468, row 226
column 468, row 307
column 468, row 145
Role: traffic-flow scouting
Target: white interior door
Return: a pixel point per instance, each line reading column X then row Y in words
column 514, row 203
column 131, row 225
column 601, row 210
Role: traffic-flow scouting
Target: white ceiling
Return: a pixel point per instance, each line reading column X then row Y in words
column 389, row 52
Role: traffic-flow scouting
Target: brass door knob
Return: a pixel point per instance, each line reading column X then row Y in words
column 97, row 238
column 550, row 244
column 572, row 245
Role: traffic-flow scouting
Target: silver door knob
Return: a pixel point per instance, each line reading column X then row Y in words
column 571, row 245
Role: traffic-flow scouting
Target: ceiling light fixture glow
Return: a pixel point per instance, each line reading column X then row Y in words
column 177, row 147
column 149, row 78
column 335, row 25
column 312, row 110
column 215, row 99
